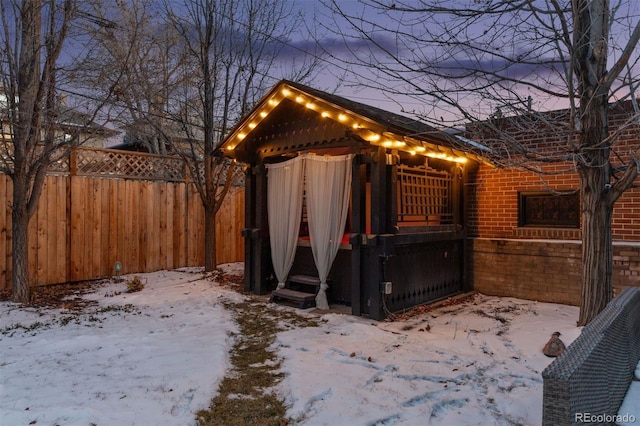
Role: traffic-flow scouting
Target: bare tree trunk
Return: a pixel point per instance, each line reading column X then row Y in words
column 210, row 254
column 19, row 243
column 591, row 33
column 597, row 247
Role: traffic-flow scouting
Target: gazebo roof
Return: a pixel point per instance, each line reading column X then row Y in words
column 371, row 124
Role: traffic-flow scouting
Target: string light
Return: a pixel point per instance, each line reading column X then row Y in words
column 370, row 135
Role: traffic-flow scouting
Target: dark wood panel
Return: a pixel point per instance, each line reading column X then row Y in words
column 422, row 273
column 339, row 276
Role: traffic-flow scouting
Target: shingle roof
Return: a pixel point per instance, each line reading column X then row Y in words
column 397, row 123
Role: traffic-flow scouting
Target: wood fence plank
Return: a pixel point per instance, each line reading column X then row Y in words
column 225, row 223
column 32, row 253
column 170, row 201
column 144, row 224
column 46, row 235
column 180, row 222
column 132, row 221
column 121, row 221
column 87, row 195
column 88, row 228
column 151, row 251
column 138, row 209
column 76, row 255
column 96, row 226
column 105, row 231
column 162, row 226
column 189, row 227
column 196, row 230
column 112, row 249
column 156, row 230
column 63, row 215
column 239, row 218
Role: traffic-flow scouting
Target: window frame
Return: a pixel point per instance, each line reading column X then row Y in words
column 551, row 198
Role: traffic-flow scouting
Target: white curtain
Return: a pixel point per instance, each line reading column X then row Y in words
column 284, row 207
column 328, row 189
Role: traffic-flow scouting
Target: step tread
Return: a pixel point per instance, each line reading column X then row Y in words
column 293, row 294
column 305, row 279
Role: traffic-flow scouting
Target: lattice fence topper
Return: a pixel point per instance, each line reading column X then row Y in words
column 61, row 165
column 103, row 162
column 423, row 193
column 59, row 156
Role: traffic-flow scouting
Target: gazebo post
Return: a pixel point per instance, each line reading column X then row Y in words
column 256, row 232
column 373, row 274
column 358, row 230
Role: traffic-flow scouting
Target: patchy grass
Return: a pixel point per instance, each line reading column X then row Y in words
column 67, row 296
column 134, row 284
column 246, row 394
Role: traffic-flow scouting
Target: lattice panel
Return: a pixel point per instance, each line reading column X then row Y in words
column 423, row 193
column 92, row 162
column 60, row 166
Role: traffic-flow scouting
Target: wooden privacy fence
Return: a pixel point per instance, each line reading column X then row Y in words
column 102, row 206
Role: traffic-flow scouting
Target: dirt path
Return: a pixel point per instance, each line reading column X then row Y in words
column 245, row 395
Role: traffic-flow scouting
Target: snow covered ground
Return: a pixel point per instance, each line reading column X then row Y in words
column 156, row 357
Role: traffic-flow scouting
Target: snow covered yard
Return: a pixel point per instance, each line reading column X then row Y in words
column 476, row 363
column 156, row 357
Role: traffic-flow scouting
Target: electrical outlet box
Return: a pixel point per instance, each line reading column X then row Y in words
column 386, row 287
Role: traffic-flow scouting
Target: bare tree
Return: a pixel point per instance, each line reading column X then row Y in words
column 479, row 60
column 140, row 59
column 31, row 45
column 232, row 48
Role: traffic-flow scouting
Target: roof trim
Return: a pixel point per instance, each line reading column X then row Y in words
column 378, row 127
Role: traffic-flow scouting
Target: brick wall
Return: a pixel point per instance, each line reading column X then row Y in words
column 536, row 262
column 543, row 270
column 493, row 209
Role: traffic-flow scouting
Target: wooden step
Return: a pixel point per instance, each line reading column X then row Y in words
column 302, row 299
column 304, row 283
column 305, row 279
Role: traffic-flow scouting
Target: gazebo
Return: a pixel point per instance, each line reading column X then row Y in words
column 350, row 204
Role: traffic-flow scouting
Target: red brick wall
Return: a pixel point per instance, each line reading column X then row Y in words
column 493, row 209
column 544, row 263
column 543, row 270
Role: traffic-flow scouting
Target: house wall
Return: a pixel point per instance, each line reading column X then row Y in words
column 543, row 270
column 536, row 262
column 493, row 209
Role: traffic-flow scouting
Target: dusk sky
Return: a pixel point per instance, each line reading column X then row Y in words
column 321, row 28
column 337, row 77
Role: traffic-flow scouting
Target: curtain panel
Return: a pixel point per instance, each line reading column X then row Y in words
column 284, row 207
column 328, row 191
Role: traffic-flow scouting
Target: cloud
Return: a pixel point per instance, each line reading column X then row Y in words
column 505, row 67
column 340, row 47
